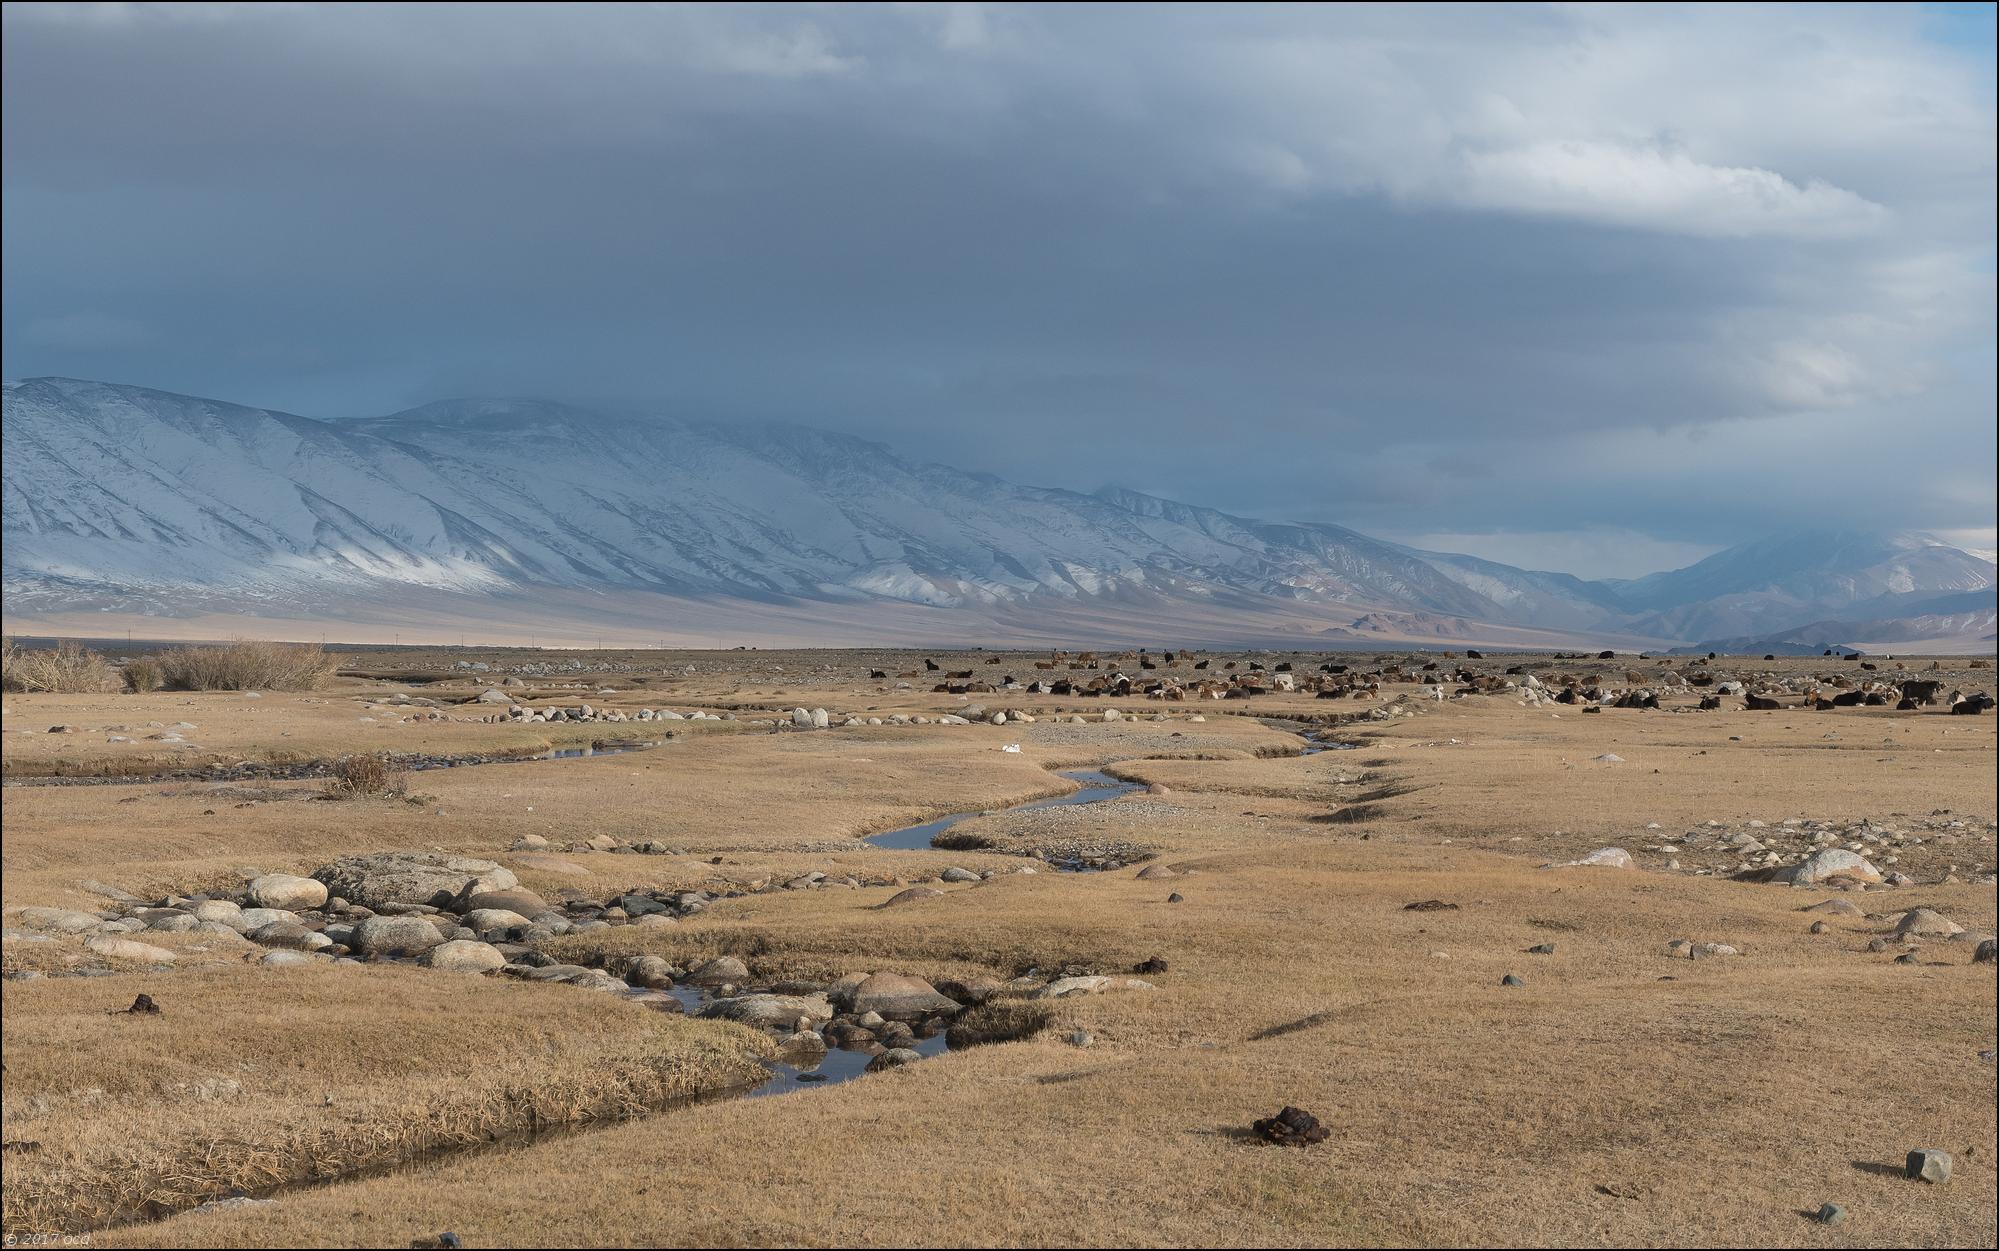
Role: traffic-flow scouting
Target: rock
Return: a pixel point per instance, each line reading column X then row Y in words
column 1924, row 923
column 1927, row 1164
column 1510, row 980
column 282, row 890
column 286, row 933
column 394, row 936
column 463, row 956
column 1176, row 897
column 480, row 920
column 285, row 959
column 1827, row 865
column 1430, row 905
column 1830, row 1214
column 650, row 972
column 517, row 899
column 1292, row 1127
column 1080, row 1038
column 222, row 911
column 770, row 1011
column 408, row 877
column 1541, row 949
column 899, row 996
column 1064, row 987
column 1987, row 952
column 59, row 920
column 912, row 895
column 893, row 1058
column 143, row 1006
column 1153, row 872
column 722, row 970
column 975, row 991
column 1603, row 858
column 1838, row 908
column 126, row 949
column 956, row 874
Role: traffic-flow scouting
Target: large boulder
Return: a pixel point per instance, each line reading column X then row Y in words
column 479, row 920
column 1829, row 865
column 394, row 936
column 283, row 890
column 126, row 949
column 899, row 996
column 1924, row 923
column 412, row 877
column 220, row 911
column 516, row 899
column 462, row 955
column 770, row 1011
column 720, row 970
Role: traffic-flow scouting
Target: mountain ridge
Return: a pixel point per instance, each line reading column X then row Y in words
column 148, row 501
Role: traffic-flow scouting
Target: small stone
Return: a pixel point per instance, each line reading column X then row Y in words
column 1927, row 1164
column 1510, row 980
column 1830, row 1214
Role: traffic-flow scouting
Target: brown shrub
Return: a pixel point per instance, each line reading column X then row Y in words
column 245, row 665
column 367, row 776
column 144, row 674
column 68, row 668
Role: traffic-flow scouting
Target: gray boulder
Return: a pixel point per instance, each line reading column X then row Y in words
column 411, row 877
column 282, row 890
column 394, row 936
column 463, row 956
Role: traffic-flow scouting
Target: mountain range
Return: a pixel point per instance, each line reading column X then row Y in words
column 508, row 519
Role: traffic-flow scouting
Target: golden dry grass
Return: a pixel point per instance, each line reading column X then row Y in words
column 1618, row 1097
column 255, row 1077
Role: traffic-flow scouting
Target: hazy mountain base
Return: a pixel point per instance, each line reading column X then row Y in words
column 566, row 617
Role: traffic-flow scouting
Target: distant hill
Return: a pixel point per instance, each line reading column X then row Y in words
column 123, row 502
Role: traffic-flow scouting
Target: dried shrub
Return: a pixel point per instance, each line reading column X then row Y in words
column 68, row 668
column 144, row 674
column 245, row 665
column 367, row 776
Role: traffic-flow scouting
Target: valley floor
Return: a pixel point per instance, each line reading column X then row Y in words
column 1620, row 1095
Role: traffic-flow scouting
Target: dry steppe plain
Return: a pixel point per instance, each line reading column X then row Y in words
column 1621, row 1095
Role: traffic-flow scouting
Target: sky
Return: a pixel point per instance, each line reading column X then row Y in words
column 1598, row 289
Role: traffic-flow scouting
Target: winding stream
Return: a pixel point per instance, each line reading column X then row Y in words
column 1097, row 786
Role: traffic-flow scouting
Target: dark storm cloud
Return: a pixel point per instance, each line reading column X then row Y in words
column 1688, row 273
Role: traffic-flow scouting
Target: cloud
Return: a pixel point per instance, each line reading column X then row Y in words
column 1684, row 272
column 1655, row 188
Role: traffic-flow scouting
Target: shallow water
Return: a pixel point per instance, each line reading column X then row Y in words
column 828, row 1069
column 1097, row 787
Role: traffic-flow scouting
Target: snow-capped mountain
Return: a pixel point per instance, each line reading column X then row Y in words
column 141, row 501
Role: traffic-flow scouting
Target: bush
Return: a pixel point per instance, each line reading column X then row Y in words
column 66, row 669
column 143, row 674
column 367, row 777
column 245, row 666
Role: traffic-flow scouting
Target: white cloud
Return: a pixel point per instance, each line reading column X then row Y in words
column 1657, row 188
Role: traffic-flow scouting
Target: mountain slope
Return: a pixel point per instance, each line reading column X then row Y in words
column 129, row 499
